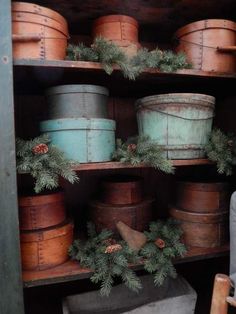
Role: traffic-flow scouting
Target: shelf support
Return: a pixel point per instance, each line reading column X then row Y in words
column 11, row 291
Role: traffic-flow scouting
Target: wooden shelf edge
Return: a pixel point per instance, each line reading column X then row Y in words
column 71, row 271
column 95, row 66
column 120, row 165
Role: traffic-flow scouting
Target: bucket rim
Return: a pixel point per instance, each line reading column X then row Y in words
column 205, row 24
column 77, row 88
column 77, row 124
column 161, row 99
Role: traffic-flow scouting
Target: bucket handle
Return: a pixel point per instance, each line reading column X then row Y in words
column 25, row 38
column 227, row 49
column 175, row 116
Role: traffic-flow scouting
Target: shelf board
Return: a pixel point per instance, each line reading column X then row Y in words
column 71, row 270
column 37, row 75
column 120, row 165
column 95, row 66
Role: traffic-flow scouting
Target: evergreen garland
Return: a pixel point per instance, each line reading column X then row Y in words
column 109, row 54
column 163, row 244
column 142, row 150
column 107, row 258
column 221, row 149
column 45, row 162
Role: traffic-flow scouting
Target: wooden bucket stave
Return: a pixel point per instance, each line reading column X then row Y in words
column 179, row 122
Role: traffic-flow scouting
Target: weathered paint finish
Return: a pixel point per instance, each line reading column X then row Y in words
column 77, row 101
column 11, row 299
column 180, row 123
column 82, row 140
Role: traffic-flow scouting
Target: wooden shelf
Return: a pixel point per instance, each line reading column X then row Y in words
column 119, row 165
column 71, row 270
column 36, row 75
column 95, row 66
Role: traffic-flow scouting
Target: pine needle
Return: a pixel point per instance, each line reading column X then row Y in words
column 45, row 168
column 109, row 54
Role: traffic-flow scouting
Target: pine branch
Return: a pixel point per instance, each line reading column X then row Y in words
column 44, row 162
column 163, row 245
column 141, row 150
column 109, row 54
column 107, row 258
column 221, row 148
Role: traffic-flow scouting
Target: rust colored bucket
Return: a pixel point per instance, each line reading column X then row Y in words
column 46, row 248
column 203, row 229
column 208, row 44
column 38, row 32
column 41, row 211
column 121, row 29
column 122, row 190
column 136, row 216
column 202, row 197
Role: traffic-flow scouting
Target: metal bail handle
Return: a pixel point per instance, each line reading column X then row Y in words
column 173, row 115
column 25, row 38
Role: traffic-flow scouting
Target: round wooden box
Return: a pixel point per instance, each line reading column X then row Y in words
column 136, row 216
column 41, row 211
column 200, row 41
column 120, row 29
column 38, row 32
column 121, row 190
column 203, row 197
column 46, row 248
column 206, row 230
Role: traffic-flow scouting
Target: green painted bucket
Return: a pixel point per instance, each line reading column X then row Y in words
column 77, row 101
column 179, row 123
column 82, row 140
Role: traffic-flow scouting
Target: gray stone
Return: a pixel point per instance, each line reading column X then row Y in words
column 176, row 296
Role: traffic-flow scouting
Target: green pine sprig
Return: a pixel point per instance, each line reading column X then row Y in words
column 106, row 266
column 158, row 255
column 141, row 149
column 45, row 168
column 221, row 148
column 109, row 54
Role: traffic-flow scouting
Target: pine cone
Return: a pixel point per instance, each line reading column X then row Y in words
column 230, row 143
column 132, row 147
column 160, row 243
column 109, row 241
column 40, row 149
column 113, row 248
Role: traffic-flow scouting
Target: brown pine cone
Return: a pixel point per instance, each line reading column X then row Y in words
column 40, row 149
column 160, row 243
column 113, row 248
